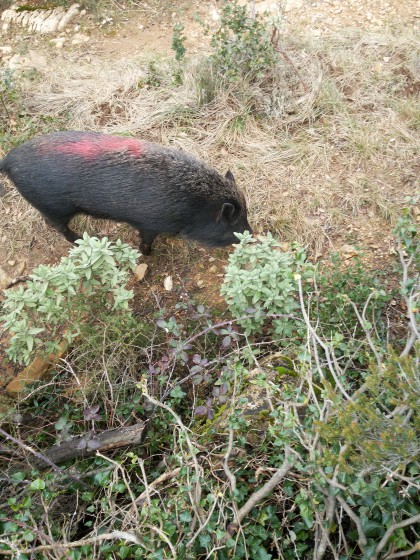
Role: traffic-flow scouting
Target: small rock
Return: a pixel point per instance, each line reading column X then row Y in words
column 213, row 269
column 11, row 263
column 4, row 279
column 79, row 38
column 349, row 251
column 214, row 14
column 59, row 42
column 6, row 50
column 140, row 271
column 293, row 5
column 9, row 15
column 200, row 283
column 68, row 16
column 168, row 283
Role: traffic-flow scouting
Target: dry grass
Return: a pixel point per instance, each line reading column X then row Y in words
column 313, row 163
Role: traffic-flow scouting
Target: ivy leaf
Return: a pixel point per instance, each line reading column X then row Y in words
column 37, row 484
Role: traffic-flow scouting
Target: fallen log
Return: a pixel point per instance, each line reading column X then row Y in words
column 87, row 444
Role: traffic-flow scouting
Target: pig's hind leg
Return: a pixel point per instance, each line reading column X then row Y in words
column 60, row 224
column 146, row 240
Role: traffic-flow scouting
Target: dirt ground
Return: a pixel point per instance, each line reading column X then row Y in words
column 146, row 27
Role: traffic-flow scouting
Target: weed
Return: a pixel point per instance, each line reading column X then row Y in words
column 242, row 45
column 178, row 40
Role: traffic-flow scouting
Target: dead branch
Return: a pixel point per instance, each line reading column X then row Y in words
column 260, row 494
column 362, row 540
column 17, row 280
column 329, row 518
column 117, row 535
column 195, row 501
column 160, row 480
column 87, row 444
column 404, row 553
column 40, row 458
column 391, row 530
column 275, row 36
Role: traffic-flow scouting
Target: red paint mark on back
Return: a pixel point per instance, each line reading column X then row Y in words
column 94, row 146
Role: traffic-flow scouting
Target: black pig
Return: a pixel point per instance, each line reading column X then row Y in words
column 153, row 188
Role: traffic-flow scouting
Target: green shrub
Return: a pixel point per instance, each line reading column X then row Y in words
column 242, row 46
column 58, row 299
column 260, row 279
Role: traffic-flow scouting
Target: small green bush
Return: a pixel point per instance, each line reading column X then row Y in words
column 57, row 299
column 242, row 45
column 260, row 279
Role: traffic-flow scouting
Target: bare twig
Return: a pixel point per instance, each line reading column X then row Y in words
column 160, row 480
column 329, row 517
column 115, row 535
column 275, row 37
column 362, row 540
column 213, row 507
column 362, row 322
column 197, row 485
column 231, row 477
column 261, row 493
column 410, row 300
column 17, row 280
column 164, row 538
column 41, row 457
column 403, row 553
column 121, row 469
column 391, row 530
column 309, row 326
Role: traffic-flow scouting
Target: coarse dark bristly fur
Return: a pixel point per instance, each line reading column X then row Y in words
column 153, row 188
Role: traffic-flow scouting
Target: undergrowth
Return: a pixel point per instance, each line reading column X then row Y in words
column 323, row 423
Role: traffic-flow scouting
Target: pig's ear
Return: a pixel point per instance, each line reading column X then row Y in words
column 227, row 213
column 229, row 176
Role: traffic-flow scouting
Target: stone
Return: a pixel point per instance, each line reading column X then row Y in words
column 293, row 5
column 41, row 21
column 168, row 283
column 348, row 251
column 50, row 25
column 4, row 279
column 59, row 42
column 33, row 59
column 140, row 271
column 79, row 38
